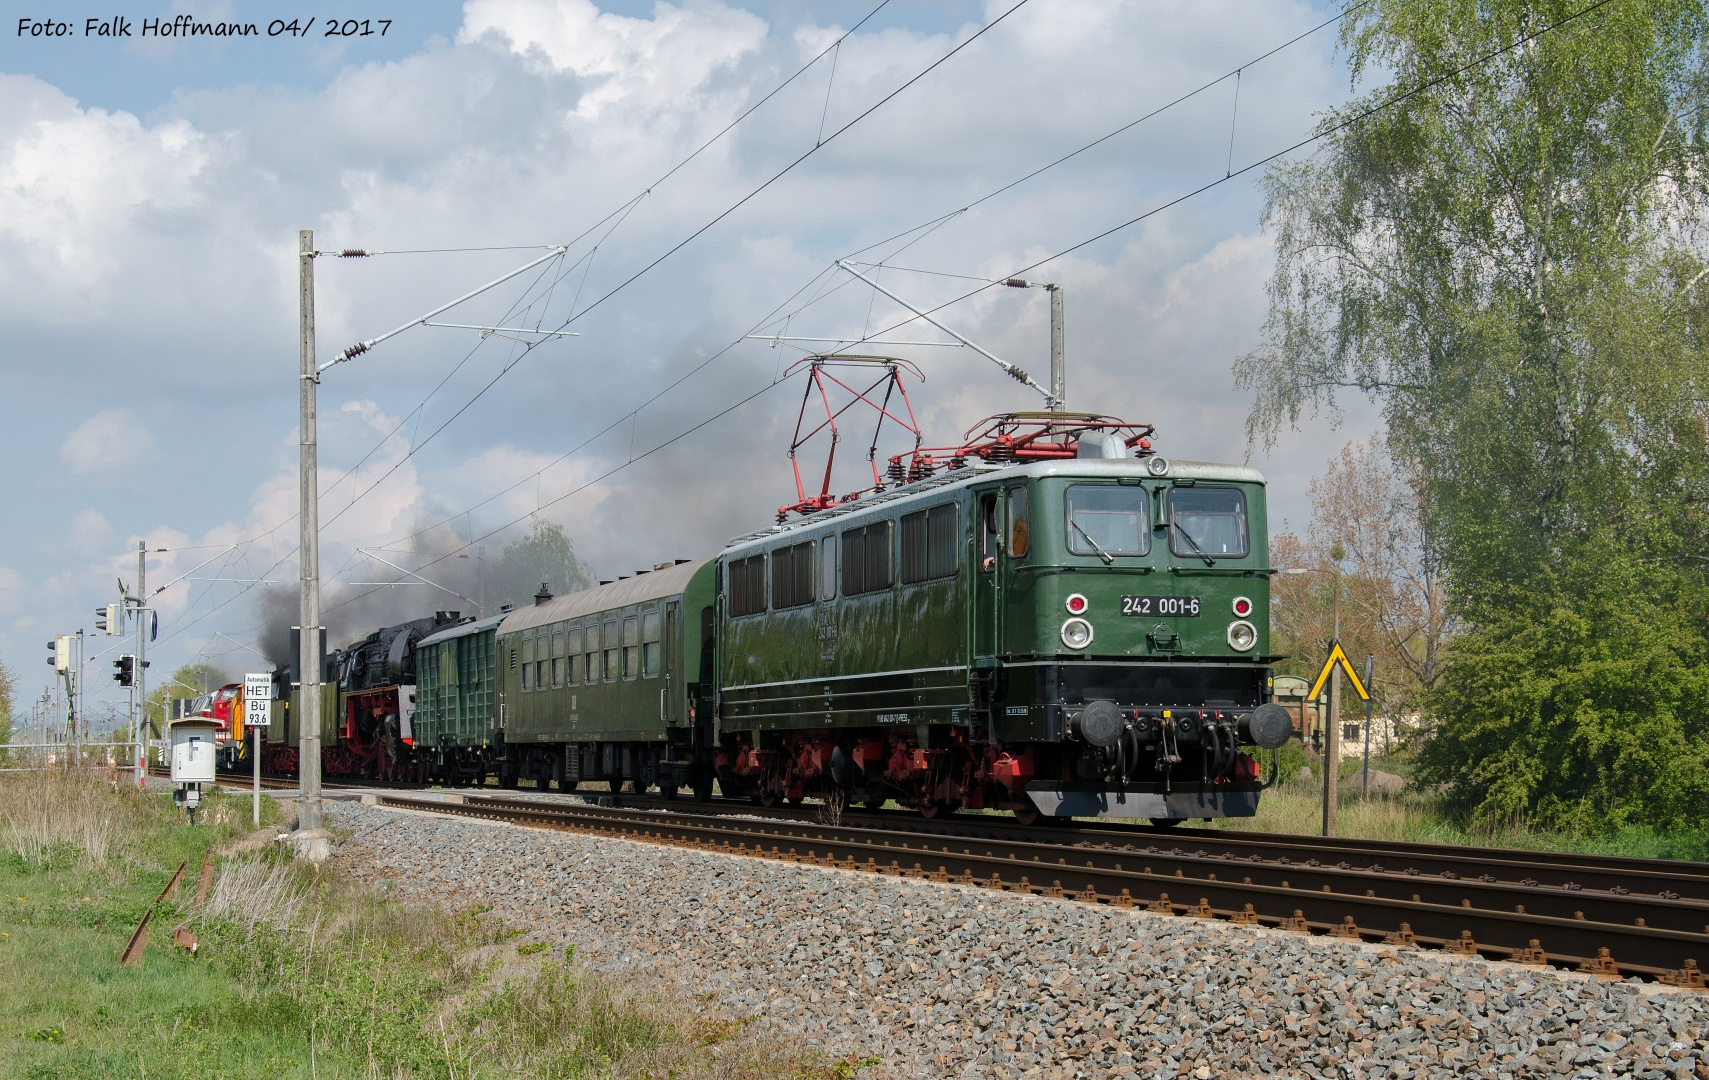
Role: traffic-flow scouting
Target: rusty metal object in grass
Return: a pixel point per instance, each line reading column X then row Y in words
column 183, row 938
column 139, row 937
column 207, row 880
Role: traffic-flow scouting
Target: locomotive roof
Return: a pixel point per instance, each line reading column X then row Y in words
column 463, row 629
column 653, row 585
column 977, row 473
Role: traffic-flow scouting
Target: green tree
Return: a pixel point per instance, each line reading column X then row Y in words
column 188, row 681
column 544, row 555
column 8, row 696
column 1506, row 259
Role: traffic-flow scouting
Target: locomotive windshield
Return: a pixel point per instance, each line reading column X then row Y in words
column 1106, row 520
column 1208, row 522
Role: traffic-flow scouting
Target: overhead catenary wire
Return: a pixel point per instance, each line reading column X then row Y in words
column 927, row 226
column 1316, row 136
column 621, row 212
column 938, row 222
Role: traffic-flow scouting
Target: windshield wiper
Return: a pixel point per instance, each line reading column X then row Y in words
column 1173, row 524
column 1109, row 560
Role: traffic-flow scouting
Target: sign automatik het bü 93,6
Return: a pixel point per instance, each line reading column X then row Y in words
column 257, row 700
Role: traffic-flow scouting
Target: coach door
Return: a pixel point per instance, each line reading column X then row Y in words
column 670, row 701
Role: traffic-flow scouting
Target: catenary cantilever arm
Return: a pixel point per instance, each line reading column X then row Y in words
column 362, row 347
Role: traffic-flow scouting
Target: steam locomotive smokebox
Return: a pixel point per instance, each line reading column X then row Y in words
column 193, row 750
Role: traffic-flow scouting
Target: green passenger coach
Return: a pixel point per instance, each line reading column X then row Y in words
column 609, row 683
column 1074, row 637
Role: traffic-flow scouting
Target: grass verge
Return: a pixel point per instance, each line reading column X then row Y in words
column 298, row 973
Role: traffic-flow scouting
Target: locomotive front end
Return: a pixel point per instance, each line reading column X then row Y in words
column 1129, row 604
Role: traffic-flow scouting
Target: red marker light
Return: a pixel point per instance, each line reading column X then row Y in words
column 1242, row 606
column 1077, row 604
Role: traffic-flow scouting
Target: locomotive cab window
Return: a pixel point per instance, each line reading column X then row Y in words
column 1106, row 520
column 929, row 544
column 1207, row 522
column 1020, row 536
column 650, row 638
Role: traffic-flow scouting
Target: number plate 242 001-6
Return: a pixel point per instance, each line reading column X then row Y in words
column 1187, row 606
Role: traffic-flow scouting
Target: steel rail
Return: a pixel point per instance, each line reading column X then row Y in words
column 1321, row 900
column 1666, row 879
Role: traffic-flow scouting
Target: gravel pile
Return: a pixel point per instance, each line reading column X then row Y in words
column 953, row 981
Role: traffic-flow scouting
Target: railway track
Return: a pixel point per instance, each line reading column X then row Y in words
column 1540, row 908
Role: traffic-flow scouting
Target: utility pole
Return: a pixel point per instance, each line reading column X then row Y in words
column 79, row 726
column 1058, row 359
column 1332, row 722
column 139, row 680
column 308, row 514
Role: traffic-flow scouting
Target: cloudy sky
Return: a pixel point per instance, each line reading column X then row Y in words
column 151, row 190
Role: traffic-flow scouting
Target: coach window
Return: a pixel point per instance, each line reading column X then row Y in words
column 928, row 544
column 590, row 662
column 746, row 592
column 631, row 647
column 573, row 651
column 1207, row 522
column 558, row 656
column 528, row 661
column 866, row 559
column 828, row 568
column 611, row 652
column 650, row 637
column 1107, row 520
column 792, row 576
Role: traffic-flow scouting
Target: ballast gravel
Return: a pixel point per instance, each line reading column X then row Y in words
column 955, row 981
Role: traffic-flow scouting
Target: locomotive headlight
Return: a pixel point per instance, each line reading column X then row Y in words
column 1242, row 635
column 1157, row 466
column 1077, row 633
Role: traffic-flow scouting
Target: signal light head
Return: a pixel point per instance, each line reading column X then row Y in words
column 1242, row 606
column 1077, row 604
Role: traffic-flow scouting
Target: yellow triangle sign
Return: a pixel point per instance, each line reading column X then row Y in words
column 1336, row 656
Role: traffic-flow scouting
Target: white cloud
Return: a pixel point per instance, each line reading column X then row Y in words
column 160, row 251
column 91, row 533
column 109, row 444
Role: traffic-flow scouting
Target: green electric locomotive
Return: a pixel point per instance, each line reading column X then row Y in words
column 1079, row 636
